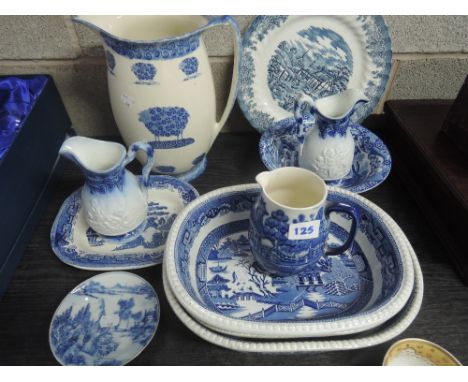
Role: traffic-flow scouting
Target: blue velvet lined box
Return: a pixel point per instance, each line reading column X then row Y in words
column 33, row 125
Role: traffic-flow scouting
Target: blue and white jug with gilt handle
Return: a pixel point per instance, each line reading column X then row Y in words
column 161, row 87
column 328, row 146
column 114, row 200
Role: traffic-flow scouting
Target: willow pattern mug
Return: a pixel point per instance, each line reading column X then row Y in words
column 289, row 221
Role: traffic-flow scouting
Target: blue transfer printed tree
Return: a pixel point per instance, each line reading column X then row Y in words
column 189, row 66
column 165, row 121
column 144, row 326
column 276, row 226
column 125, row 311
column 75, row 336
column 144, row 71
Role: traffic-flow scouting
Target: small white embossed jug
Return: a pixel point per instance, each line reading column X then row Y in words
column 114, row 201
column 161, row 87
column 328, row 147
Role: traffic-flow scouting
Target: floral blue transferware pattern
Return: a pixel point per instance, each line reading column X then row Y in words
column 286, row 55
column 77, row 245
column 279, row 147
column 99, row 183
column 105, row 321
column 165, row 50
column 166, row 122
column 189, row 67
column 145, row 73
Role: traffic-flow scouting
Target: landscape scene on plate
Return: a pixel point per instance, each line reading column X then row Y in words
column 319, row 64
column 269, row 237
column 166, row 122
column 230, row 282
column 85, row 337
column 153, row 235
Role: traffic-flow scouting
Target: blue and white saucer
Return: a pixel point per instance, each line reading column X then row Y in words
column 107, row 320
column 212, row 271
column 76, row 244
column 279, row 147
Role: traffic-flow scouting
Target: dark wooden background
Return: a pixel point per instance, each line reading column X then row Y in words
column 41, row 281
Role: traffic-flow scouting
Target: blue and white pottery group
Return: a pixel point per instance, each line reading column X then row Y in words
column 297, row 256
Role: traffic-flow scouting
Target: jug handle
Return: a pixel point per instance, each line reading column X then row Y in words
column 146, row 147
column 355, row 215
column 229, row 20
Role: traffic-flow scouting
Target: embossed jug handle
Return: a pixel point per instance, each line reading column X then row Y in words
column 228, row 20
column 148, row 149
column 355, row 215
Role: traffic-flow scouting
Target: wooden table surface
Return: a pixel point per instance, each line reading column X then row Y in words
column 41, row 281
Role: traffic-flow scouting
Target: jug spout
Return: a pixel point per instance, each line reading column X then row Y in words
column 263, row 178
column 340, row 105
column 143, row 29
column 93, row 155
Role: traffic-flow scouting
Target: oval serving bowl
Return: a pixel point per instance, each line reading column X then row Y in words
column 385, row 332
column 212, row 273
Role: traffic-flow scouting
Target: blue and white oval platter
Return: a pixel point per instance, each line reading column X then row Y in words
column 76, row 244
column 211, row 270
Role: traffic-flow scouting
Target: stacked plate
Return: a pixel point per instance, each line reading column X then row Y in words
column 364, row 297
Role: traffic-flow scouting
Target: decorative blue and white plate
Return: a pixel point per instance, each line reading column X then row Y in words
column 76, row 244
column 106, row 320
column 212, row 272
column 317, row 55
column 279, row 147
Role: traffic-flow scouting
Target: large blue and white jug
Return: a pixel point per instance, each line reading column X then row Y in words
column 328, row 147
column 161, row 87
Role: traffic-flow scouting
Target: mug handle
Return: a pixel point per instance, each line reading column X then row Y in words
column 355, row 217
column 144, row 146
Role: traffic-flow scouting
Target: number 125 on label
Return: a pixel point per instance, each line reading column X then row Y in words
column 304, row 230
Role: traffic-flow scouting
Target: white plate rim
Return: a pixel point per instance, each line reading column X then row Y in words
column 407, row 316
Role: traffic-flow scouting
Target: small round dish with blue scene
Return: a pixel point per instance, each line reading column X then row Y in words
column 76, row 244
column 283, row 56
column 106, row 320
column 210, row 269
column 280, row 145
